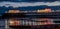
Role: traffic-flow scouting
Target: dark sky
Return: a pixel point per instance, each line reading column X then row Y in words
column 31, row 0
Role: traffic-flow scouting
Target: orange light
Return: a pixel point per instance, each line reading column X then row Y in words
column 45, row 21
column 14, row 23
column 46, row 10
column 13, row 11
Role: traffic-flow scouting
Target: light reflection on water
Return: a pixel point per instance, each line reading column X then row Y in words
column 2, row 22
column 37, row 21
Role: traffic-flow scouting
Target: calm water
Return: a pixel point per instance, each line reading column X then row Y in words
column 2, row 24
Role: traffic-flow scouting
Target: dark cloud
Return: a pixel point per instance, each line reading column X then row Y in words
column 31, row 0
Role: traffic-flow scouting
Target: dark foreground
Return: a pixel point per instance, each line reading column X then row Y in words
column 37, row 27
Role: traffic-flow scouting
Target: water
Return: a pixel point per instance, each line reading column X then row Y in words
column 2, row 24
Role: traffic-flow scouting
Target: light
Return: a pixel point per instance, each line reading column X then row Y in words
column 47, row 10
column 14, row 23
column 11, row 22
column 13, row 11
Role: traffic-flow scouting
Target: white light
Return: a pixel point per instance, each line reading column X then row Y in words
column 11, row 22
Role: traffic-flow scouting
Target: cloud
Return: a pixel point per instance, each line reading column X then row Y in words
column 26, row 4
column 30, row 0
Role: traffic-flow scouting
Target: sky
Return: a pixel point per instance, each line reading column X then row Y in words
column 26, row 4
column 30, row 0
column 15, row 4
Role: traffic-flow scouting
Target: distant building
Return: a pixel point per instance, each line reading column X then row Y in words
column 46, row 10
column 13, row 11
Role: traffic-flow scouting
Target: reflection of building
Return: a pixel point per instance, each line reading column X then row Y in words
column 45, row 21
column 13, row 22
column 42, row 21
